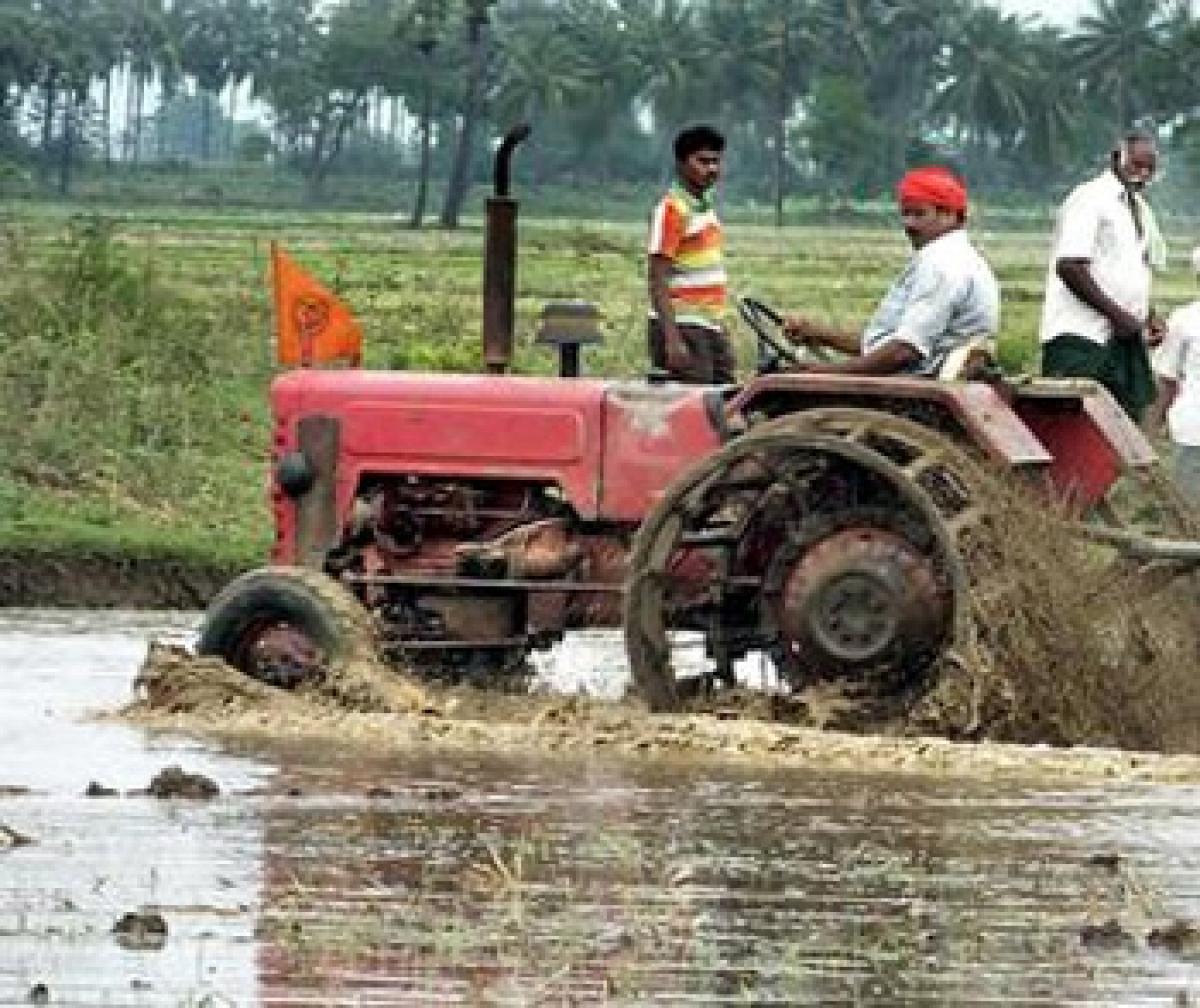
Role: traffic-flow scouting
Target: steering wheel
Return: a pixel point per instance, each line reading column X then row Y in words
column 767, row 325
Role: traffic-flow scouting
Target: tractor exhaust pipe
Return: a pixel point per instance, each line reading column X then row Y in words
column 500, row 259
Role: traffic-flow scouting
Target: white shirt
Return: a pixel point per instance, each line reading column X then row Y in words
column 1095, row 223
column 1178, row 358
column 945, row 296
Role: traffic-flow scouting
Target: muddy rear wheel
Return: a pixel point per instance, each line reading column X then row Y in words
column 285, row 625
column 823, row 548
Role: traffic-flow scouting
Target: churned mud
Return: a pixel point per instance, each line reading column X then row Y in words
column 388, row 714
column 1070, row 644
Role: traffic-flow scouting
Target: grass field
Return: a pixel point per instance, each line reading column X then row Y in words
column 136, row 347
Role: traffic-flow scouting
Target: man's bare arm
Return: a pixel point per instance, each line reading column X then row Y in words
column 810, row 332
column 893, row 356
column 1077, row 275
column 658, row 269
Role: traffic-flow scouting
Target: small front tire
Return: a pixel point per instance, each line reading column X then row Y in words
column 284, row 625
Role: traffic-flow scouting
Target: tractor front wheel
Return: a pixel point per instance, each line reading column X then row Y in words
column 284, row 625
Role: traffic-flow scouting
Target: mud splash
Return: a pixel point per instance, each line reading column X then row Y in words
column 1070, row 643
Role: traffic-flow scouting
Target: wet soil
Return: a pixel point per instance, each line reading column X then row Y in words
column 99, row 580
column 504, row 872
column 374, row 711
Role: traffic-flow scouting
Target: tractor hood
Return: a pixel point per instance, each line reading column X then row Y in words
column 612, row 447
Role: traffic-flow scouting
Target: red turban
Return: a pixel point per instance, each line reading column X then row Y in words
column 933, row 186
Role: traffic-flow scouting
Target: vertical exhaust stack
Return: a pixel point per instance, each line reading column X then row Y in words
column 500, row 259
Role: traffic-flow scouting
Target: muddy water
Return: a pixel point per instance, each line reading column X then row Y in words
column 316, row 878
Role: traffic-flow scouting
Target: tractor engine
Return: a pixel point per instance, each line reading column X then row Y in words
column 467, row 574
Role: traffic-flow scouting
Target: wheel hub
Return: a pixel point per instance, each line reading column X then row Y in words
column 280, row 654
column 860, row 597
column 854, row 616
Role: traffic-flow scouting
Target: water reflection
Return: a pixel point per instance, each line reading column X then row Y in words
column 94, row 859
column 477, row 880
column 582, row 885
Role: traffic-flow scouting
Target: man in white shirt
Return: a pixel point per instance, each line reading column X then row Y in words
column 945, row 299
column 1096, row 318
column 1177, row 365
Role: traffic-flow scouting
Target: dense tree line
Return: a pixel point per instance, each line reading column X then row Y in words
column 823, row 96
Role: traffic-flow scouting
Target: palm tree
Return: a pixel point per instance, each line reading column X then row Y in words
column 770, row 66
column 149, row 47
column 247, row 49
column 611, row 76
column 207, row 38
column 475, row 15
column 540, row 72
column 63, row 59
column 986, row 96
column 426, row 31
column 1115, row 48
column 905, row 39
column 1173, row 74
column 19, row 29
column 678, row 57
column 1058, row 115
column 894, row 47
column 69, row 56
column 108, row 40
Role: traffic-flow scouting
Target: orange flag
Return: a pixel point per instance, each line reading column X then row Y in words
column 312, row 326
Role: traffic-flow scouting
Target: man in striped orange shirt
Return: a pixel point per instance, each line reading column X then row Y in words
column 686, row 330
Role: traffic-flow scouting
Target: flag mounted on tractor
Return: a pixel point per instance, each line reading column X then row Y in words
column 313, row 327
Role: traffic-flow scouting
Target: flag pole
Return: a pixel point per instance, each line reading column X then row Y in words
column 277, row 297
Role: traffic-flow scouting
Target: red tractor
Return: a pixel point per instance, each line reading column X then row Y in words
column 820, row 523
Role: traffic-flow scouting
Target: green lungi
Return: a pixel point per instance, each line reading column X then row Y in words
column 1121, row 366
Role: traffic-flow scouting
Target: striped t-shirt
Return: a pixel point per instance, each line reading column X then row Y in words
column 685, row 230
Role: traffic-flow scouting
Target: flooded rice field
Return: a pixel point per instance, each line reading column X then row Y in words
column 320, row 874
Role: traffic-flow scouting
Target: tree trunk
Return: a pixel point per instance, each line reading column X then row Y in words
column 139, row 88
column 206, row 102
column 781, row 111
column 229, row 132
column 50, row 100
column 324, row 153
column 127, row 135
column 108, row 119
column 456, row 189
column 65, row 154
column 160, row 128
column 418, row 212
column 314, row 175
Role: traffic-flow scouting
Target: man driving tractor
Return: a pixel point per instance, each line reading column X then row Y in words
column 943, row 308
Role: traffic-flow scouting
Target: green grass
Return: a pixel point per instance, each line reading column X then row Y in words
column 135, row 349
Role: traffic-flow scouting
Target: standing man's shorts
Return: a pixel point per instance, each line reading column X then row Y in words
column 710, row 359
column 1121, row 366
